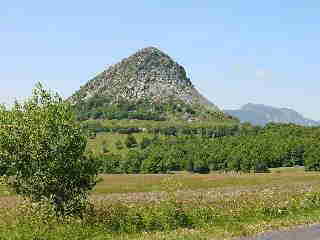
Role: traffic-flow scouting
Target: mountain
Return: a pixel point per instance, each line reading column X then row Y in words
column 148, row 74
column 259, row 114
column 148, row 85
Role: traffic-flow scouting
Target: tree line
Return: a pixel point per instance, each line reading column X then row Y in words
column 104, row 107
column 246, row 150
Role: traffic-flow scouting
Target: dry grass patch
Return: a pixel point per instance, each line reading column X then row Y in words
column 126, row 183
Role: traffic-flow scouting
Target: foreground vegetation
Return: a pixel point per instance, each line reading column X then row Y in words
column 47, row 171
column 184, row 206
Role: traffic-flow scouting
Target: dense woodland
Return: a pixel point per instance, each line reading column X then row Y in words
column 240, row 148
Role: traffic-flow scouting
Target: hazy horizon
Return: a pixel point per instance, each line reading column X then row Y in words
column 234, row 53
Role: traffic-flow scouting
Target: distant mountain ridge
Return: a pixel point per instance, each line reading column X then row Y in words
column 147, row 74
column 259, row 114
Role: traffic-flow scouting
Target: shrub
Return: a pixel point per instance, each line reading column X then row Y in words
column 145, row 142
column 119, row 145
column 261, row 167
column 131, row 141
column 105, row 149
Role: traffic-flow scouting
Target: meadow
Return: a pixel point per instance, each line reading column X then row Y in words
column 175, row 206
column 110, row 138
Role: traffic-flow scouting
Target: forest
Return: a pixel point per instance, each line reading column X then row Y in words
column 239, row 148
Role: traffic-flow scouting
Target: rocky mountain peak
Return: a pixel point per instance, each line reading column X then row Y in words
column 150, row 50
column 147, row 74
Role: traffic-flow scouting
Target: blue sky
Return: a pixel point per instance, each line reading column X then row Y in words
column 235, row 52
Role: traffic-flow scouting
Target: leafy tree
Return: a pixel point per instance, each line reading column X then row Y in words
column 110, row 163
column 42, row 152
column 312, row 157
column 200, row 164
column 155, row 161
column 132, row 162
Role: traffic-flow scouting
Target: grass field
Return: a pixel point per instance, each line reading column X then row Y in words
column 123, row 183
column 178, row 206
column 97, row 143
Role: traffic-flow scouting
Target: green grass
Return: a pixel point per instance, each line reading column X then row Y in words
column 242, row 215
column 96, row 144
column 135, row 183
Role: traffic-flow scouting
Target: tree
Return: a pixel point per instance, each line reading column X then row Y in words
column 155, row 161
column 42, row 149
column 312, row 157
column 132, row 162
column 200, row 164
column 110, row 163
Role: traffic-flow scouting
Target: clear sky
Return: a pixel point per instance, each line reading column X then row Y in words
column 235, row 52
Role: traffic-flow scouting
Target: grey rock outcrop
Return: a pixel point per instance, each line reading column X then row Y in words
column 149, row 73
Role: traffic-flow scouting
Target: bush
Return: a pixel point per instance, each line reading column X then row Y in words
column 105, row 149
column 261, row 167
column 131, row 141
column 145, row 142
column 201, row 166
column 119, row 145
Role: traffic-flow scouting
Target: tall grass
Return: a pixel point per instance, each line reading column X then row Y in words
column 128, row 183
column 196, row 217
